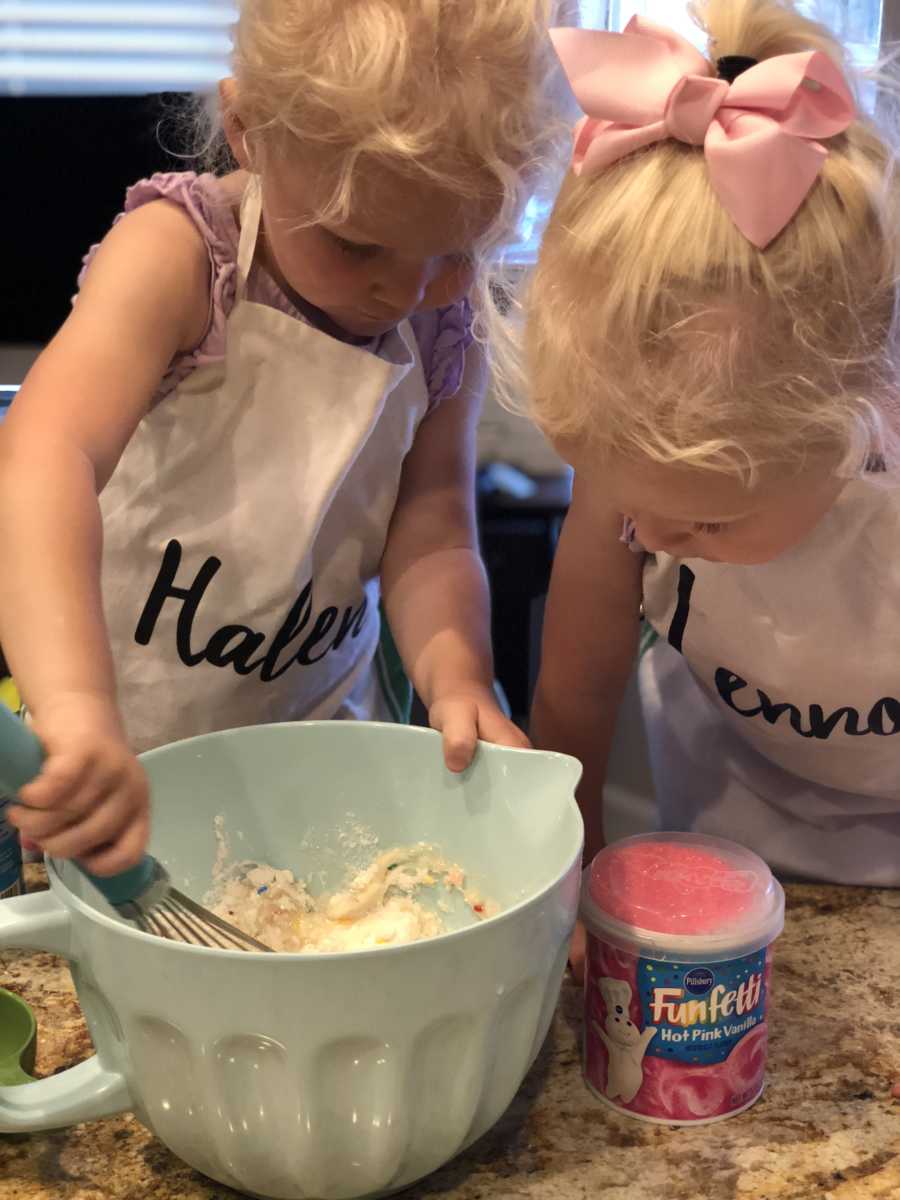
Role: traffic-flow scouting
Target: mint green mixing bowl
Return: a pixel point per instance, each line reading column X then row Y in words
column 330, row 1076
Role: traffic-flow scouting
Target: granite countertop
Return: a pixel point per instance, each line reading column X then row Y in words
column 826, row 1128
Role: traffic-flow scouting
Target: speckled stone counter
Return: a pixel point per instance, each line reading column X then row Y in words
column 826, row 1128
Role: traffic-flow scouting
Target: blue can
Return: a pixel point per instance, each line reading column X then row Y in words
column 10, row 855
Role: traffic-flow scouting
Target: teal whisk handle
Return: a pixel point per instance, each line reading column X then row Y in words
column 21, row 754
column 128, row 885
column 21, row 759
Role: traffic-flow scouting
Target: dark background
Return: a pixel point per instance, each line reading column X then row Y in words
column 68, row 162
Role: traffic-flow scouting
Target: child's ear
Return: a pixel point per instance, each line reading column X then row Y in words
column 235, row 129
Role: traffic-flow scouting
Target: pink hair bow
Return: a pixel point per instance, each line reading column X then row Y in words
column 758, row 133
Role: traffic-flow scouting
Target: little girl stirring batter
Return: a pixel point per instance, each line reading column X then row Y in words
column 270, row 380
column 711, row 342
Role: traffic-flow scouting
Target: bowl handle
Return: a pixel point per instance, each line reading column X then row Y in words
column 83, row 1093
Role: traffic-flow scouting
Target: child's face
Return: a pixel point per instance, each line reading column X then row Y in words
column 407, row 249
column 691, row 513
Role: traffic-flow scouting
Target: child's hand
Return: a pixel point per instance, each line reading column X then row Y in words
column 465, row 717
column 90, row 801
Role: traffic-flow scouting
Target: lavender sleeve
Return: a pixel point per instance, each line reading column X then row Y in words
column 443, row 336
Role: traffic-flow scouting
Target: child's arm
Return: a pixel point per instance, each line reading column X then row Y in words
column 434, row 584
column 590, row 640
column 145, row 297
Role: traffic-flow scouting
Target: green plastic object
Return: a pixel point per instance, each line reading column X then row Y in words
column 18, row 1040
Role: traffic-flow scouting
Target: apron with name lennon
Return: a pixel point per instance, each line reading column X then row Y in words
column 245, row 524
column 772, row 698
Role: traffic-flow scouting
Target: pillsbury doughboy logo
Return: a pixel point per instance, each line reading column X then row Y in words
column 699, row 981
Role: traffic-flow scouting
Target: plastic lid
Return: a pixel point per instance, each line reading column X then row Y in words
column 683, row 894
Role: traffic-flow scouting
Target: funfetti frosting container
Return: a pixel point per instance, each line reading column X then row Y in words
column 680, row 931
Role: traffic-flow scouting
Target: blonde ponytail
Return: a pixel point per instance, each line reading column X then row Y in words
column 654, row 328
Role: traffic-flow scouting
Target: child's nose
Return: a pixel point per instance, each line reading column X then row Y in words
column 403, row 286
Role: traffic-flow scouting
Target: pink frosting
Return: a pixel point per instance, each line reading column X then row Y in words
column 668, row 887
column 671, row 1090
column 676, row 1092
column 443, row 335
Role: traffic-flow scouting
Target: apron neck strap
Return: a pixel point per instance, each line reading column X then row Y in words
column 251, row 212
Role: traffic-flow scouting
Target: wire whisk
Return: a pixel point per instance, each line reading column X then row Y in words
column 143, row 894
column 165, row 912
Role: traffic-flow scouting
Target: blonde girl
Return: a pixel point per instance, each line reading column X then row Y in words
column 269, row 380
column 711, row 343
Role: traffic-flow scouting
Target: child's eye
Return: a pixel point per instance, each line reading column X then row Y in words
column 353, row 249
column 708, row 527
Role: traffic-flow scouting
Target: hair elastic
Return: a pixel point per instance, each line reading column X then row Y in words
column 732, row 65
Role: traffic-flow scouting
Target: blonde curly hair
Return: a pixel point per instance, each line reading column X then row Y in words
column 654, row 329
column 461, row 94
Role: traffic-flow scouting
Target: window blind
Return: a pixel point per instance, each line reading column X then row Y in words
column 857, row 23
column 66, row 47
column 60, row 47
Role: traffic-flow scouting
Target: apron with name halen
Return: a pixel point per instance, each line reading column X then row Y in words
column 772, row 699
column 245, row 524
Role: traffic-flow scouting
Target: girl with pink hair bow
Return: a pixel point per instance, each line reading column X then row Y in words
column 710, row 342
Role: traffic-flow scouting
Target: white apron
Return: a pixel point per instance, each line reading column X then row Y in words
column 772, row 699
column 245, row 524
